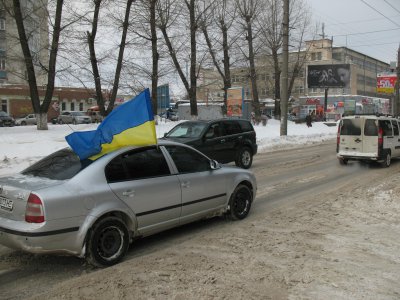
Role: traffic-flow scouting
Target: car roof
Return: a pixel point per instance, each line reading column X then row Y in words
column 214, row 120
column 370, row 117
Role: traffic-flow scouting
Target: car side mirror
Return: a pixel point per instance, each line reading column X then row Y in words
column 214, row 165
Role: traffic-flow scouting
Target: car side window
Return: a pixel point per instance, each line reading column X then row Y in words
column 214, row 131
column 187, row 160
column 246, row 125
column 137, row 164
column 395, row 127
column 386, row 126
column 231, row 127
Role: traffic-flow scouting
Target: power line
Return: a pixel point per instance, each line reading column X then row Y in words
column 367, row 32
column 379, row 12
column 392, row 6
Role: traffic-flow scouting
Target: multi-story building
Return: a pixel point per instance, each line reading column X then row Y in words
column 12, row 65
column 319, row 55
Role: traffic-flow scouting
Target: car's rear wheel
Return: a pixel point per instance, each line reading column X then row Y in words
column 244, row 158
column 240, row 202
column 387, row 159
column 343, row 161
column 108, row 242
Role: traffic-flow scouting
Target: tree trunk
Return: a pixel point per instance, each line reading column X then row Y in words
column 193, row 60
column 41, row 120
column 155, row 55
column 253, row 75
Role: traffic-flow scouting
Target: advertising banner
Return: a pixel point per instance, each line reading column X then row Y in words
column 323, row 76
column 386, row 83
column 234, row 102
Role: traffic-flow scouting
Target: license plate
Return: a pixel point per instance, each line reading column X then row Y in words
column 6, row 204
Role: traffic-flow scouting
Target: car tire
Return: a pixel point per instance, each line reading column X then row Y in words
column 343, row 161
column 107, row 243
column 74, row 121
column 244, row 158
column 240, row 203
column 60, row 122
column 387, row 160
column 23, row 123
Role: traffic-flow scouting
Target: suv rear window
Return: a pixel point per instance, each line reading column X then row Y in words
column 350, row 127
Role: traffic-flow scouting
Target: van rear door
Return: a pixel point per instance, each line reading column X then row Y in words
column 370, row 140
column 350, row 137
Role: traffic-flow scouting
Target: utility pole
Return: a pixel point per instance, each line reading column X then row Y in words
column 397, row 85
column 285, row 67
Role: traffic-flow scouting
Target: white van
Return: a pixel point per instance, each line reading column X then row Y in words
column 368, row 138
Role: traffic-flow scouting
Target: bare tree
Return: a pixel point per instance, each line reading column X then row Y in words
column 271, row 28
column 221, row 16
column 23, row 14
column 91, row 37
column 168, row 13
column 248, row 12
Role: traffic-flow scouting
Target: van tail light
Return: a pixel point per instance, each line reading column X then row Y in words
column 34, row 210
column 380, row 136
column 338, row 136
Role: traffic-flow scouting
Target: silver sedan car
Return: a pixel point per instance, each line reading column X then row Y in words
column 95, row 209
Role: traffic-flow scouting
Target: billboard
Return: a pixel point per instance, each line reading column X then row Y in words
column 322, row 76
column 234, row 102
column 386, row 83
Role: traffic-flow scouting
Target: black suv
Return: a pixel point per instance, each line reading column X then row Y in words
column 6, row 120
column 224, row 140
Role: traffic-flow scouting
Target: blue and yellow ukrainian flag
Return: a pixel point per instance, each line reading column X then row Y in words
column 131, row 123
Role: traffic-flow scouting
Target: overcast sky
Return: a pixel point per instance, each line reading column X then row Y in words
column 371, row 27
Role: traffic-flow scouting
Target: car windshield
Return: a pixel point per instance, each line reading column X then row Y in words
column 60, row 165
column 187, row 130
column 77, row 113
column 3, row 114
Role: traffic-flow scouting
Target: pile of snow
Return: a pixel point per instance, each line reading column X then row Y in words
column 21, row 146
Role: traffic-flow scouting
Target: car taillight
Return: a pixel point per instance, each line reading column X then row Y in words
column 380, row 136
column 338, row 135
column 34, row 210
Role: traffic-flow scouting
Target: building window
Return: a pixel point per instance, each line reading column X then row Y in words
column 63, row 106
column 2, row 24
column 81, row 106
column 72, row 106
column 3, row 105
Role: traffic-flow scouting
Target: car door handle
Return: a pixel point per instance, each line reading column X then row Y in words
column 185, row 184
column 222, row 141
column 128, row 193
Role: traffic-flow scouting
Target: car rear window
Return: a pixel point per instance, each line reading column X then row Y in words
column 371, row 127
column 351, row 127
column 61, row 165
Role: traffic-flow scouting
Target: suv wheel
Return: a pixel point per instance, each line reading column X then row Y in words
column 244, row 158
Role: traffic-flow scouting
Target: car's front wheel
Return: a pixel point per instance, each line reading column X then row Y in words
column 108, row 242
column 240, row 202
column 23, row 123
column 244, row 158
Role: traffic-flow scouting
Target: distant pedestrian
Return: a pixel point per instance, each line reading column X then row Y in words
column 309, row 120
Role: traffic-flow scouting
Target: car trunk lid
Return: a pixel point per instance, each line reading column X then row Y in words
column 15, row 191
